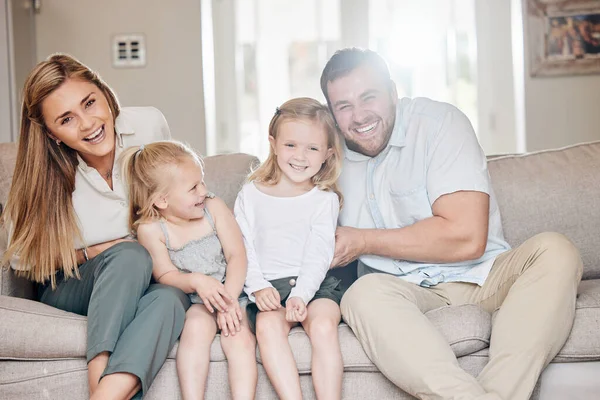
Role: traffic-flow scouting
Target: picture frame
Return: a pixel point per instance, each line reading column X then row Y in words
column 563, row 37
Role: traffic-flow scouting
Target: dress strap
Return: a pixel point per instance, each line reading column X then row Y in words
column 211, row 221
column 163, row 227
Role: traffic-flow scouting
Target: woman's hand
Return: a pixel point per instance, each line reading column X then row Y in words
column 295, row 310
column 212, row 292
column 230, row 321
column 267, row 299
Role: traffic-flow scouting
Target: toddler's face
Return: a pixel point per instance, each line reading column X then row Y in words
column 187, row 193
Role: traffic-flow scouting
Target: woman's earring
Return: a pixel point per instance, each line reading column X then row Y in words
column 57, row 142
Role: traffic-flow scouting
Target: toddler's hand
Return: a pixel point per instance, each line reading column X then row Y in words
column 295, row 310
column 230, row 321
column 212, row 292
column 267, row 299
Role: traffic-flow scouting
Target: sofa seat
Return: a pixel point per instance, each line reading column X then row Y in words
column 584, row 342
column 467, row 328
column 31, row 331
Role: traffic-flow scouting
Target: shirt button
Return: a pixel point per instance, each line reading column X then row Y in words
column 292, row 282
column 371, row 196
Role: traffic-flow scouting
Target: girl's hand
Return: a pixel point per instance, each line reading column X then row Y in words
column 295, row 310
column 230, row 321
column 267, row 299
column 212, row 292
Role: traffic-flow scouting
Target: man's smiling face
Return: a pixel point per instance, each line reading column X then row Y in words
column 364, row 106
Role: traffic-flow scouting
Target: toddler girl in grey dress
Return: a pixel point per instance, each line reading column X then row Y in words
column 196, row 246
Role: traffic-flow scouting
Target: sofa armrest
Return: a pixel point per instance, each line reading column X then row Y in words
column 12, row 285
column 33, row 330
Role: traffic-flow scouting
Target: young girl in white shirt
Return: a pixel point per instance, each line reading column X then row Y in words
column 196, row 246
column 288, row 215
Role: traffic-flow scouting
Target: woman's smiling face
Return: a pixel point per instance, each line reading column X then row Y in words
column 78, row 114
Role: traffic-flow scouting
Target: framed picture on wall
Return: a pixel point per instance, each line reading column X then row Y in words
column 563, row 37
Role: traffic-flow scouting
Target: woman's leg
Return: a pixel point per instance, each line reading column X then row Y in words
column 95, row 369
column 193, row 354
column 145, row 344
column 240, row 350
column 108, row 292
column 321, row 325
column 272, row 331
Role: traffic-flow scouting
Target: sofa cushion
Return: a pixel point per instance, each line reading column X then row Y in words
column 584, row 342
column 467, row 328
column 225, row 174
column 32, row 330
column 553, row 190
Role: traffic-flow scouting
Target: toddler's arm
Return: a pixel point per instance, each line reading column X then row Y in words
column 230, row 236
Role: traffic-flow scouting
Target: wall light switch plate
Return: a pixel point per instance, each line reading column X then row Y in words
column 129, row 51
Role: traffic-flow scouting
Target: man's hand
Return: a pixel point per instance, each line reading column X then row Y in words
column 295, row 310
column 230, row 321
column 349, row 245
column 267, row 299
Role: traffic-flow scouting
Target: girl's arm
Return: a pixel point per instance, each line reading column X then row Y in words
column 211, row 291
column 230, row 236
column 318, row 251
column 255, row 279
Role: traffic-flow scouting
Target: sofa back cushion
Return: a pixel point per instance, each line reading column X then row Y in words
column 552, row 190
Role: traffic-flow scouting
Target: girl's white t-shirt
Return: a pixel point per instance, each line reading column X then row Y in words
column 287, row 237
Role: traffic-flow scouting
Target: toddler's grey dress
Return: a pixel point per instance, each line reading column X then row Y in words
column 204, row 255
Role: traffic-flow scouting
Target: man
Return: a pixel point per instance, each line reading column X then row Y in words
column 422, row 219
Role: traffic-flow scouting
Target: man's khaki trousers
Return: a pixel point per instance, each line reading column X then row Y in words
column 533, row 290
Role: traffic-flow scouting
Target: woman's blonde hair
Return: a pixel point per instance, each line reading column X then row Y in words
column 149, row 171
column 39, row 207
column 304, row 109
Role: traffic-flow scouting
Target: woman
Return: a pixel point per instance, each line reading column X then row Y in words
column 68, row 215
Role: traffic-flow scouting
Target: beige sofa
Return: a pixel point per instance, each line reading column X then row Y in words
column 42, row 349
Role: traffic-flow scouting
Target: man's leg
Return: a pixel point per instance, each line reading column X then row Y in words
column 386, row 315
column 534, row 286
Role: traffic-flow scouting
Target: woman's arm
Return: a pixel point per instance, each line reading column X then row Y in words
column 230, row 236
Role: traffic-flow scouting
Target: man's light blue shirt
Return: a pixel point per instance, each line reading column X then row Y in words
column 433, row 151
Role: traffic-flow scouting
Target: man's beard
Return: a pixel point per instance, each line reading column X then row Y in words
column 356, row 146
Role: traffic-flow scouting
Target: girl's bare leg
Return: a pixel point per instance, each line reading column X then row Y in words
column 240, row 350
column 321, row 326
column 193, row 354
column 272, row 331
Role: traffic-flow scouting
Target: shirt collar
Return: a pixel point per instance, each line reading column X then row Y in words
column 121, row 128
column 396, row 140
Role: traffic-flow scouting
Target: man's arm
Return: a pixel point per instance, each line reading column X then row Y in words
column 457, row 232
column 457, row 184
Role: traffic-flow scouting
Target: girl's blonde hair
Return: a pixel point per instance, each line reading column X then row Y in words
column 304, row 109
column 39, row 207
column 148, row 171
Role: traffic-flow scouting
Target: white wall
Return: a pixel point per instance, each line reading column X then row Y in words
column 172, row 78
column 495, row 93
column 560, row 111
column 5, row 81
